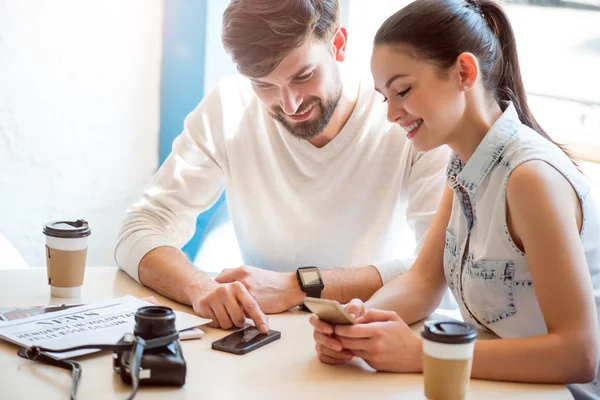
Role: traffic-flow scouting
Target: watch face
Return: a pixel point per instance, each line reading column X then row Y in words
column 310, row 278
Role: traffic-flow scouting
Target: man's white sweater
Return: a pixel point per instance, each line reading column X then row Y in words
column 291, row 204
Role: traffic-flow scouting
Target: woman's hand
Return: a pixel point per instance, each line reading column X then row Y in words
column 329, row 348
column 383, row 340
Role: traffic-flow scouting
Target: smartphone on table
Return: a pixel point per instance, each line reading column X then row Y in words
column 245, row 340
column 329, row 311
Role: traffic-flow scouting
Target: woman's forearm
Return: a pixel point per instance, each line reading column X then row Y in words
column 549, row 358
column 411, row 295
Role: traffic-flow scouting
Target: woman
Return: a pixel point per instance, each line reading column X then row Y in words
column 516, row 236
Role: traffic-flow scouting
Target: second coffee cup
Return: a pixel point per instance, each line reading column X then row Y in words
column 447, row 358
column 66, row 252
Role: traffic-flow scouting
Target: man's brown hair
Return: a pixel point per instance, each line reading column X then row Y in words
column 259, row 34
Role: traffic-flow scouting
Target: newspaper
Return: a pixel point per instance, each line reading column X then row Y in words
column 100, row 323
column 13, row 313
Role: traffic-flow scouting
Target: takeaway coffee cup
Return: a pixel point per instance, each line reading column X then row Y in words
column 447, row 358
column 66, row 251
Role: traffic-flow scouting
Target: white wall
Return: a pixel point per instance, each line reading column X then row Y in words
column 79, row 116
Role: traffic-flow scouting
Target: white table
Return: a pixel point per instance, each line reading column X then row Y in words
column 286, row 369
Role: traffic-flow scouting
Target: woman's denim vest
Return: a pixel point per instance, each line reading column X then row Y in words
column 491, row 280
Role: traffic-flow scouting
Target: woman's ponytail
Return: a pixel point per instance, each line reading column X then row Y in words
column 506, row 82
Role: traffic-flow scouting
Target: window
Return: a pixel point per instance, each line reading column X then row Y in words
column 559, row 50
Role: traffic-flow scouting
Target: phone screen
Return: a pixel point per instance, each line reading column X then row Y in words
column 245, row 340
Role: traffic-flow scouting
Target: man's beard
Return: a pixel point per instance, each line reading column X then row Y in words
column 310, row 129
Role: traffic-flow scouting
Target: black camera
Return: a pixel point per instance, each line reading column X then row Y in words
column 163, row 365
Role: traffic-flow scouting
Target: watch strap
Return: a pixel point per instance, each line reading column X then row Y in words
column 310, row 291
column 314, row 292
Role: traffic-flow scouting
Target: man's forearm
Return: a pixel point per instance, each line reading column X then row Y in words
column 168, row 271
column 344, row 285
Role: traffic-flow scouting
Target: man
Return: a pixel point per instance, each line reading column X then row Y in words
column 314, row 175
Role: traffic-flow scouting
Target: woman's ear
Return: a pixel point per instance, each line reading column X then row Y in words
column 340, row 39
column 468, row 70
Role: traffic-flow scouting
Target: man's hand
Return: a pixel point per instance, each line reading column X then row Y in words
column 228, row 305
column 329, row 347
column 275, row 292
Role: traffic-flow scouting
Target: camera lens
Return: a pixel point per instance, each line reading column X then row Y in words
column 154, row 321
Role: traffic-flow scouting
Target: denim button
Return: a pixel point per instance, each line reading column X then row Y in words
column 460, row 189
column 452, row 178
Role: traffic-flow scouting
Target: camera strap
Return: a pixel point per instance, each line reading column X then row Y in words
column 137, row 346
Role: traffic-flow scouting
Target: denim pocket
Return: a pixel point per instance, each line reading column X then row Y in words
column 488, row 289
column 450, row 258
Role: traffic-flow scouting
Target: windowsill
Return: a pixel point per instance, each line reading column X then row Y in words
column 586, row 152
